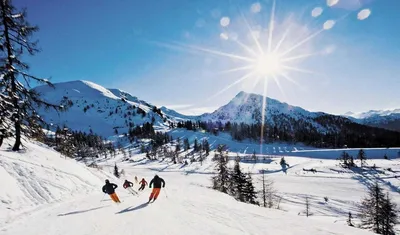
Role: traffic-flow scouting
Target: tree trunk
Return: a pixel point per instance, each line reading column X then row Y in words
column 17, row 143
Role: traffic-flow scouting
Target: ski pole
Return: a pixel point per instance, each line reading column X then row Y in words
column 166, row 194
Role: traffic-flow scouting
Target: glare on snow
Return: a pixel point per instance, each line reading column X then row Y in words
column 332, row 2
column 316, row 12
column 364, row 14
column 225, row 21
column 255, row 7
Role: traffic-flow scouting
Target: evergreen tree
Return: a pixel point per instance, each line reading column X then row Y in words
column 116, row 171
column 186, row 144
column 196, row 145
column 254, row 157
column 22, row 101
column 349, row 222
column 390, row 218
column 250, row 194
column 221, row 181
column 377, row 212
column 362, row 157
column 238, row 182
column 206, row 147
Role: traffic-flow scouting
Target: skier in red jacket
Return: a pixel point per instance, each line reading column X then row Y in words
column 143, row 184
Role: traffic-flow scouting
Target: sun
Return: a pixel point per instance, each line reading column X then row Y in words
column 269, row 64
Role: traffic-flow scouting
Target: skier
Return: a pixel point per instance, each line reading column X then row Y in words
column 136, row 179
column 157, row 181
column 109, row 188
column 143, row 184
column 128, row 186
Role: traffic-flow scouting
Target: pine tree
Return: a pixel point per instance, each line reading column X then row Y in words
column 389, row 216
column 14, row 42
column 238, row 181
column 196, row 145
column 362, row 157
column 254, row 157
column 377, row 212
column 206, row 147
column 116, row 171
column 186, row 144
column 250, row 194
column 221, row 181
column 349, row 222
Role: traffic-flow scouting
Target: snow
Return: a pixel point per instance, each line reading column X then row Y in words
column 371, row 113
column 65, row 196
column 101, row 104
column 38, row 177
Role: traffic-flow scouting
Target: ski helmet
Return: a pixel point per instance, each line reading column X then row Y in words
column 107, row 181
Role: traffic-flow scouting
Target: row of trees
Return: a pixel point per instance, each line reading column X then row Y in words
column 18, row 102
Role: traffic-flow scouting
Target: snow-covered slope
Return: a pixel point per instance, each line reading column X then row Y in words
column 388, row 119
column 40, row 176
column 188, row 206
column 95, row 108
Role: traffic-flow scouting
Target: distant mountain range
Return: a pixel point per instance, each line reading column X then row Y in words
column 388, row 119
column 109, row 112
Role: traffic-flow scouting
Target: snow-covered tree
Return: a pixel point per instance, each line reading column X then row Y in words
column 14, row 44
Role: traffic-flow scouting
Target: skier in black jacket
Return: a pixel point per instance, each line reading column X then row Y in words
column 109, row 188
column 128, row 186
column 157, row 182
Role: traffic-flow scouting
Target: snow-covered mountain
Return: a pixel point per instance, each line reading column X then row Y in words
column 388, row 119
column 246, row 108
column 95, row 108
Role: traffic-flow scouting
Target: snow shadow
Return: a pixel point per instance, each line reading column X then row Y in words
column 81, row 211
column 129, row 209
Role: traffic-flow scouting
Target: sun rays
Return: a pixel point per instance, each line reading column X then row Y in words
column 273, row 53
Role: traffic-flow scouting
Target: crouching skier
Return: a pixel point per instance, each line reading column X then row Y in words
column 143, row 184
column 157, row 181
column 109, row 188
column 128, row 186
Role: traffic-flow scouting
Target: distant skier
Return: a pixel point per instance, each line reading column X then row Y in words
column 143, row 184
column 136, row 179
column 157, row 181
column 109, row 188
column 128, row 186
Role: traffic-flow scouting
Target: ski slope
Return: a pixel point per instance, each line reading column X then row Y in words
column 186, row 206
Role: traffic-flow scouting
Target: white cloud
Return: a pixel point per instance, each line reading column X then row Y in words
column 364, row 14
column 225, row 21
column 317, row 11
column 329, row 24
column 331, row 3
column 255, row 7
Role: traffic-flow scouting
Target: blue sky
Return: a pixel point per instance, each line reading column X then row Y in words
column 151, row 49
